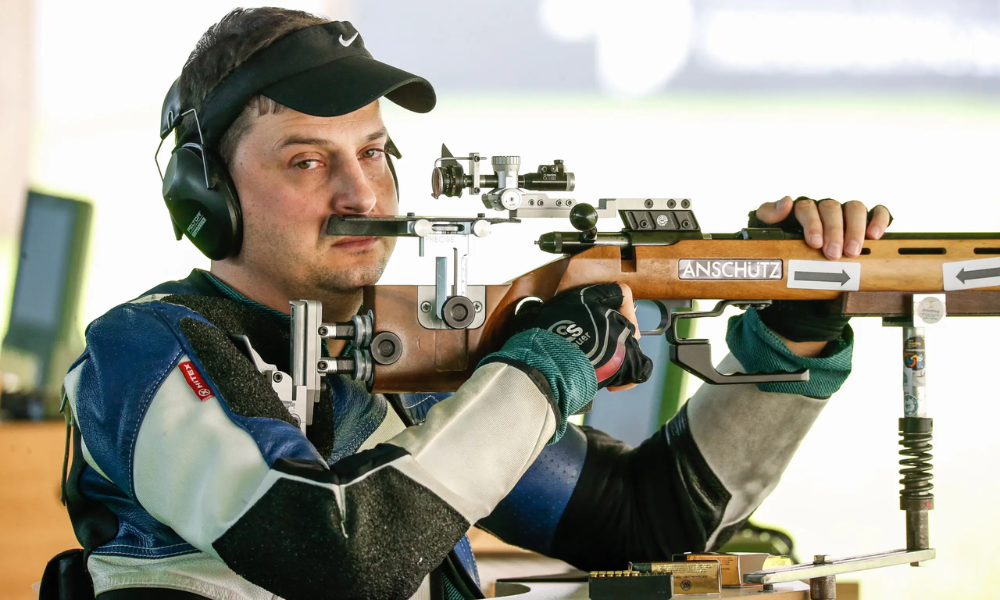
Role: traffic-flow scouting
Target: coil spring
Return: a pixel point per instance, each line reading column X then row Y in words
column 916, row 467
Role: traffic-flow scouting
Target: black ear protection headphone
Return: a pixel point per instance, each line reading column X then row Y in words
column 199, row 192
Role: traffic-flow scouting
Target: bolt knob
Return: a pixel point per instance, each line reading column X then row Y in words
column 583, row 217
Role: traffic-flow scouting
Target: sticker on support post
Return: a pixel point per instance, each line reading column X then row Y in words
column 970, row 274
column 824, row 275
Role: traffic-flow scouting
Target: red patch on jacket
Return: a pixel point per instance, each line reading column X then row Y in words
column 195, row 380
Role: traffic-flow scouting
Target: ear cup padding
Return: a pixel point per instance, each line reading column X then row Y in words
column 210, row 217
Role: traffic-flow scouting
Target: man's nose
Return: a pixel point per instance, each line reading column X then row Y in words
column 355, row 193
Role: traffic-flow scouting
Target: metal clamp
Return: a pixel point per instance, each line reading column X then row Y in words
column 822, row 572
column 427, row 315
column 359, row 366
column 445, row 238
column 358, row 330
column 307, row 317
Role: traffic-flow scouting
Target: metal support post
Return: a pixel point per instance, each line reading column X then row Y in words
column 915, row 430
column 823, row 587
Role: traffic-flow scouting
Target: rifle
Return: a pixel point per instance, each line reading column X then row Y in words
column 430, row 338
column 437, row 334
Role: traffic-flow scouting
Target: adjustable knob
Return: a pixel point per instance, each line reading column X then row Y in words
column 386, row 348
column 506, row 168
column 506, row 163
column 583, row 217
column 458, row 312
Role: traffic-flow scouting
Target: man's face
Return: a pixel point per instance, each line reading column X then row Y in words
column 292, row 171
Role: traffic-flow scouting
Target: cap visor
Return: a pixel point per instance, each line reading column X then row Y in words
column 343, row 86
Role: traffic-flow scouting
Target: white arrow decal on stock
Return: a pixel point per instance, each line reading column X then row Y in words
column 970, row 274
column 824, row 275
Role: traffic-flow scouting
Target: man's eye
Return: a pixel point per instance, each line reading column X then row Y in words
column 373, row 153
column 307, row 164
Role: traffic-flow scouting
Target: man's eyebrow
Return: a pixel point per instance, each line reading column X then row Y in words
column 298, row 140
column 381, row 133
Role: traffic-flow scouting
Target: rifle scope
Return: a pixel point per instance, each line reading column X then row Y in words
column 451, row 180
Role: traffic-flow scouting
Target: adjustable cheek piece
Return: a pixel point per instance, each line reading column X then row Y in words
column 197, row 189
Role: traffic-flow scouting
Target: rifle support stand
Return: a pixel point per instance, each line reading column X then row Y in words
column 915, row 427
column 915, row 498
column 822, row 572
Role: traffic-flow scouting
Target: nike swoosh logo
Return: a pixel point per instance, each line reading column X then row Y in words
column 346, row 43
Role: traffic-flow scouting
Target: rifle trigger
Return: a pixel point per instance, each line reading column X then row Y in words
column 666, row 308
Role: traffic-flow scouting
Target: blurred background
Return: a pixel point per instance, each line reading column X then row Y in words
column 728, row 103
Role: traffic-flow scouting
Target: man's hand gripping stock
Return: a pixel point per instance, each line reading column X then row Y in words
column 599, row 320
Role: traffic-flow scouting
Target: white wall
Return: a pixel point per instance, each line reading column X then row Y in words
column 16, row 33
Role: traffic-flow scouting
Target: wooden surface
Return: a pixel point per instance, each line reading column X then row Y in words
column 498, row 560
column 795, row 590
column 34, row 525
column 653, row 272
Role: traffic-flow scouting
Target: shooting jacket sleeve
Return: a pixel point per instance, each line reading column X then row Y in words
column 176, row 437
column 596, row 503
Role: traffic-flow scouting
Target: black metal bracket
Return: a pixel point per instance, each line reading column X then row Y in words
column 695, row 355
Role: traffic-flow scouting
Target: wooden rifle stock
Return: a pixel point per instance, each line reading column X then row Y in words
column 892, row 270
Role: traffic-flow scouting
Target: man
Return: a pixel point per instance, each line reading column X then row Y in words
column 191, row 479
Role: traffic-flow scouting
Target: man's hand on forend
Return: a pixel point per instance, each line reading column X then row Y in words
column 840, row 230
column 600, row 321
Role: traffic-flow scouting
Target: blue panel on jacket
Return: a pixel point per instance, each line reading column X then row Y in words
column 530, row 513
column 139, row 534
column 357, row 414
column 130, row 352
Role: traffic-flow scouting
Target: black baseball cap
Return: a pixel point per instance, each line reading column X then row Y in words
column 323, row 70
